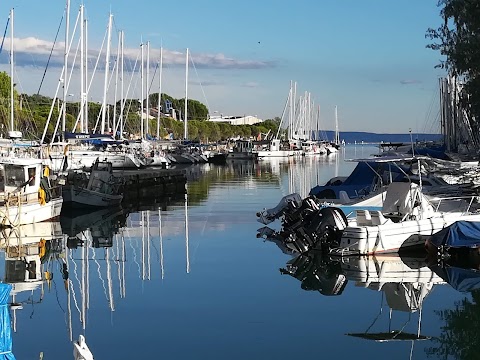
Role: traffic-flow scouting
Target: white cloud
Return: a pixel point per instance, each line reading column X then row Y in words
column 33, row 51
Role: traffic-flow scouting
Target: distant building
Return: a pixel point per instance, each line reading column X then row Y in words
column 236, row 120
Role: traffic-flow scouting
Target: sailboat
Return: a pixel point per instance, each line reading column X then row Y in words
column 27, row 194
column 85, row 148
column 333, row 147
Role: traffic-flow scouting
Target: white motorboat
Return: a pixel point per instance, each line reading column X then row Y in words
column 310, row 148
column 273, row 149
column 28, row 194
column 407, row 216
column 98, row 188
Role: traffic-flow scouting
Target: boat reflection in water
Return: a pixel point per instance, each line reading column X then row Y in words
column 26, row 248
column 101, row 224
column 403, row 281
column 86, row 250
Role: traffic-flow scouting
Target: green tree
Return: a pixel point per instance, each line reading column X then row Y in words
column 458, row 40
column 459, row 338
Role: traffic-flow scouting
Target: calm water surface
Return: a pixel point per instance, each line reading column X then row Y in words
column 189, row 279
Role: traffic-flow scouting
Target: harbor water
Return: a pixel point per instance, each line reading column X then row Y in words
column 188, row 278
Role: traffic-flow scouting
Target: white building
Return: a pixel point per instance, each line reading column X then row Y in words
column 236, row 120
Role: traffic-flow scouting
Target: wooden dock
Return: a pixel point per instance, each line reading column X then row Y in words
column 152, row 182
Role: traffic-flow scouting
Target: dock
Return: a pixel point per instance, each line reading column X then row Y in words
column 143, row 183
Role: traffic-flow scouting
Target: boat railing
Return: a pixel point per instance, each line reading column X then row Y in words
column 438, row 201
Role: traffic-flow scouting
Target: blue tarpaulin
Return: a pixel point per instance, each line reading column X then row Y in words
column 459, row 234
column 5, row 330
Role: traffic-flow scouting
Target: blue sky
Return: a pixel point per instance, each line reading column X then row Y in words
column 368, row 57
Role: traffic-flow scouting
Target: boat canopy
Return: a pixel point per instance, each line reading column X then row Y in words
column 459, row 234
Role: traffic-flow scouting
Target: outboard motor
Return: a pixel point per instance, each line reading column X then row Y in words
column 327, row 228
column 319, row 230
column 268, row 215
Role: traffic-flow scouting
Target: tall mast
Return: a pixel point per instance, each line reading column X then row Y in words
column 116, row 84
column 11, row 71
column 107, row 66
column 337, row 136
column 185, row 117
column 85, row 107
column 290, row 117
column 122, row 104
column 142, row 90
column 159, row 93
column 147, row 83
column 65, row 74
column 82, row 70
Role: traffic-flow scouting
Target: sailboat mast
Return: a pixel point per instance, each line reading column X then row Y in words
column 115, row 119
column 122, row 104
column 82, row 69
column 290, row 117
column 85, row 107
column 147, row 83
column 65, row 74
column 185, row 117
column 11, row 71
column 337, row 136
column 142, row 89
column 159, row 93
column 107, row 66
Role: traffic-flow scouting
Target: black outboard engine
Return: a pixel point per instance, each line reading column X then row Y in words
column 319, row 230
column 268, row 215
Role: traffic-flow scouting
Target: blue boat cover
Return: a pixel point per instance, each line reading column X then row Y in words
column 360, row 181
column 5, row 327
column 459, row 234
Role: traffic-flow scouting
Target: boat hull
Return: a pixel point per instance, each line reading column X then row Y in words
column 391, row 237
column 78, row 197
column 30, row 213
column 274, row 153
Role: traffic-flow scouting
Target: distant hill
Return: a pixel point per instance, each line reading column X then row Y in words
column 358, row 136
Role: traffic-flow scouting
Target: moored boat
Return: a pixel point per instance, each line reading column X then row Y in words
column 28, row 194
column 97, row 188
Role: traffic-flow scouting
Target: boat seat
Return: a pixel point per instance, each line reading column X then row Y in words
column 378, row 218
column 363, row 217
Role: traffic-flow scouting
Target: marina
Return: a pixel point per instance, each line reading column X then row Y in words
column 174, row 270
column 138, row 219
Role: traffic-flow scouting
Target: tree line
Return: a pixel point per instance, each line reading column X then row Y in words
column 31, row 113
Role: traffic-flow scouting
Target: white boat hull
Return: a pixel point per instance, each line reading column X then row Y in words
column 30, row 213
column 274, row 153
column 390, row 237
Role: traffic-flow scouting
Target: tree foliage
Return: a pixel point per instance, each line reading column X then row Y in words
column 459, row 338
column 458, row 39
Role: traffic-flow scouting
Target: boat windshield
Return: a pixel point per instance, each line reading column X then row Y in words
column 14, row 175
